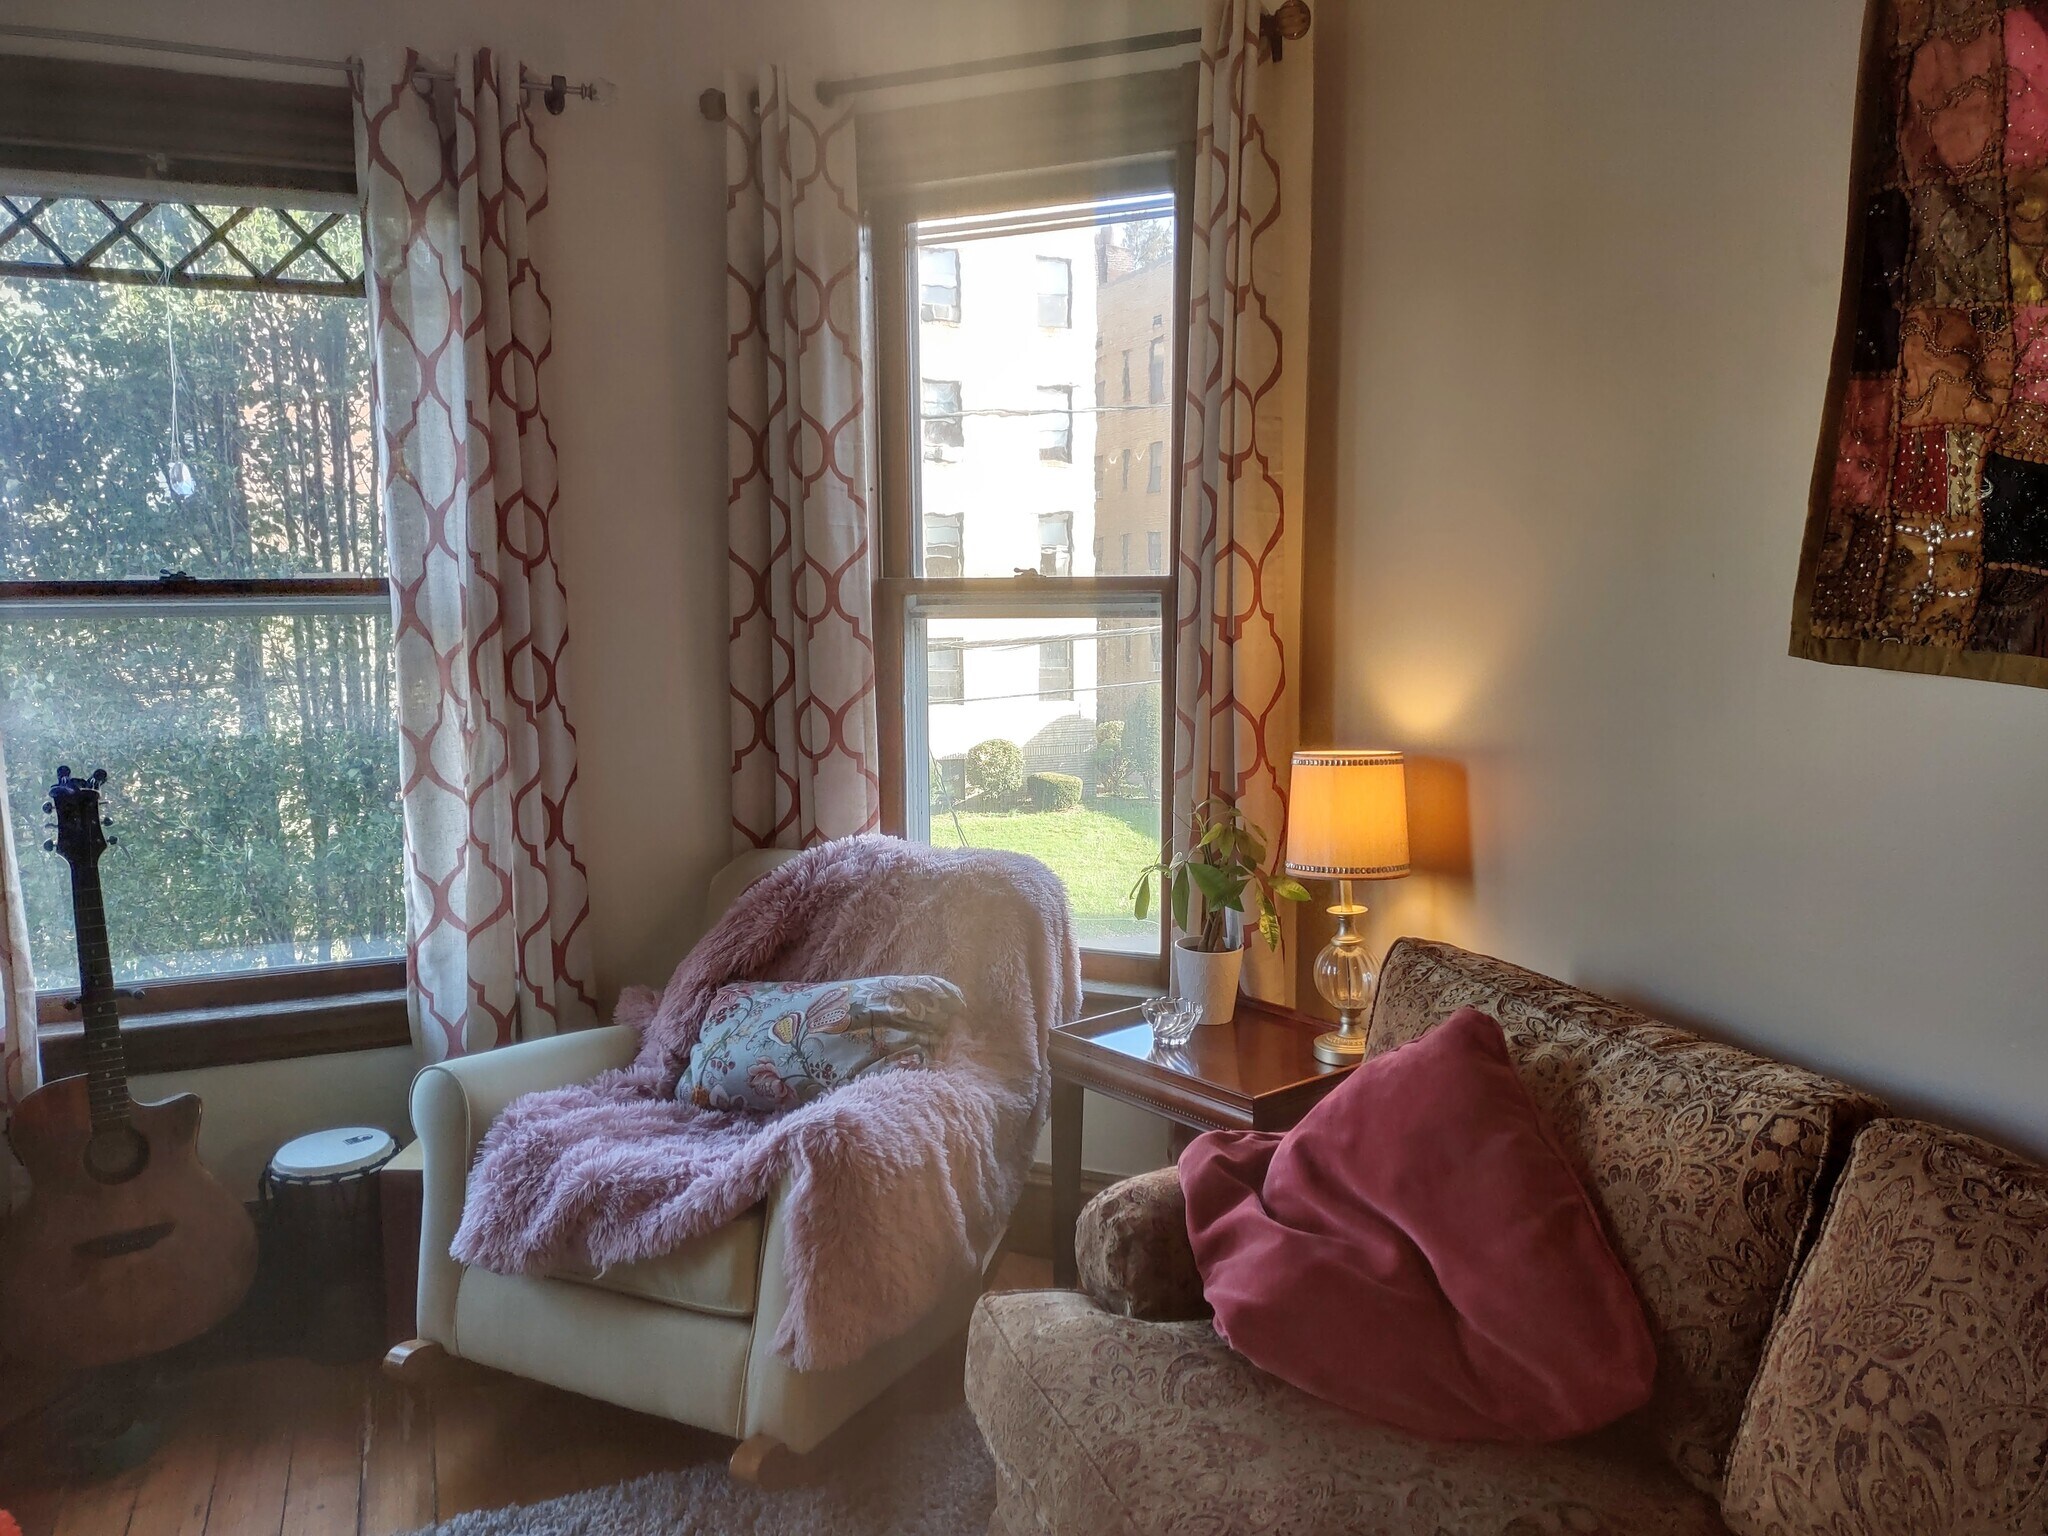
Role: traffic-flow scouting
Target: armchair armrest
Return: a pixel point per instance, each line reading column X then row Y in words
column 1132, row 1250
column 453, row 1104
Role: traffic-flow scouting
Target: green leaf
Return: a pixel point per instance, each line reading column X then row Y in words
column 1141, row 898
column 1180, row 898
column 1269, row 926
column 1290, row 890
column 1210, row 880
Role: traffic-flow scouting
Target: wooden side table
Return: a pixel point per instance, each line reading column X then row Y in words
column 1256, row 1073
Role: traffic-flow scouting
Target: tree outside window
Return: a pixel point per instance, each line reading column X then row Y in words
column 203, row 612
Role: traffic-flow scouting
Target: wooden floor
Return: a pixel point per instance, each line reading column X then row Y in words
column 288, row 1448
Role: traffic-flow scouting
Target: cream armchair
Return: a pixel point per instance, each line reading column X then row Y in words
column 687, row 1335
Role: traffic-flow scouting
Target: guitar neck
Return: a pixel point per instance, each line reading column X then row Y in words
column 106, row 1062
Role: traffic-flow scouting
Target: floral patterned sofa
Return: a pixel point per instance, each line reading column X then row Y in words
column 1117, row 1408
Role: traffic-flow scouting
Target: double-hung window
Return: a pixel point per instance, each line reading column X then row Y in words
column 1017, row 633
column 1056, row 423
column 1055, row 670
column 193, row 587
column 1056, row 544
column 945, row 423
column 1055, row 292
column 938, row 272
column 942, row 536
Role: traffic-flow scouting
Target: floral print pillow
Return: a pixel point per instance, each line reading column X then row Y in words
column 769, row 1046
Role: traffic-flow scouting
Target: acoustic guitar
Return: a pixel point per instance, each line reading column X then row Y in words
column 127, row 1245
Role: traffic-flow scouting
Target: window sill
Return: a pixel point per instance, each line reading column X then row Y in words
column 1098, row 997
column 239, row 1034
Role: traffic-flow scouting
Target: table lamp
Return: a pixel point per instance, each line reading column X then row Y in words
column 1347, row 819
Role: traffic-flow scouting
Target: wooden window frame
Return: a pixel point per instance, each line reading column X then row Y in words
column 236, row 1017
column 232, row 1018
column 897, row 519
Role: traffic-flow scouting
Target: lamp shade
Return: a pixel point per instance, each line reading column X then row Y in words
column 1347, row 816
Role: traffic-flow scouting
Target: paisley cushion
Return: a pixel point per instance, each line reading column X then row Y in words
column 1416, row 1250
column 1906, row 1389
column 1706, row 1163
column 769, row 1046
column 1100, row 1424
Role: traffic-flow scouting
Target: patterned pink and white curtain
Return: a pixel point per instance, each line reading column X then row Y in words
column 21, row 1070
column 496, row 905
column 1236, row 706
column 804, row 765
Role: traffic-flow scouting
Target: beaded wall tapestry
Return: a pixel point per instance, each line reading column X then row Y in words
column 1927, row 539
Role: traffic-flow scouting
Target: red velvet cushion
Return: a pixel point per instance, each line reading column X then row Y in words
column 1419, row 1251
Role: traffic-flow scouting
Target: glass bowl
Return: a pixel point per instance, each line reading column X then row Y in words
column 1173, row 1020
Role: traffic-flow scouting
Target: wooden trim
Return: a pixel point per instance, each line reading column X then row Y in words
column 830, row 91
column 83, row 117
column 1150, row 149
column 1105, row 969
column 237, row 1034
column 201, row 594
column 1080, row 128
column 197, row 994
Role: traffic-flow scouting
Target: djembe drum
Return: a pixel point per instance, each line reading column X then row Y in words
column 321, row 1195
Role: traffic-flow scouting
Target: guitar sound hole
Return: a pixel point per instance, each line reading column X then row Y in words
column 116, row 1154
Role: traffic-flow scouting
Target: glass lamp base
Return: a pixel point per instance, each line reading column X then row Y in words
column 1344, row 973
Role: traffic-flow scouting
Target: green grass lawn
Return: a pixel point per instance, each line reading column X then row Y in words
column 1097, row 849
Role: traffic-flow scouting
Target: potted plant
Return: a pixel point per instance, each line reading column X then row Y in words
column 1223, row 868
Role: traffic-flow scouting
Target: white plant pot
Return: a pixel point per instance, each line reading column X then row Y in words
column 1209, row 980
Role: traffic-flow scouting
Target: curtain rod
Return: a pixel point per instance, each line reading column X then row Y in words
column 555, row 89
column 830, row 91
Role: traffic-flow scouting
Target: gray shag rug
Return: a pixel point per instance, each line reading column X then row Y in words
column 930, row 1476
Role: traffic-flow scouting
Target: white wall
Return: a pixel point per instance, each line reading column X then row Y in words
column 633, row 258
column 251, row 1111
column 1581, row 264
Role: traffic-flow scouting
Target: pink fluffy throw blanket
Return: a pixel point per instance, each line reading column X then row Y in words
column 895, row 1184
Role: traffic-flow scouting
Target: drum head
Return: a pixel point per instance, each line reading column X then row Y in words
column 328, row 1154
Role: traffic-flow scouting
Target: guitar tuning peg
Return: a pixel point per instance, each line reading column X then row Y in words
column 49, row 806
column 48, row 846
column 106, row 821
column 113, row 842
